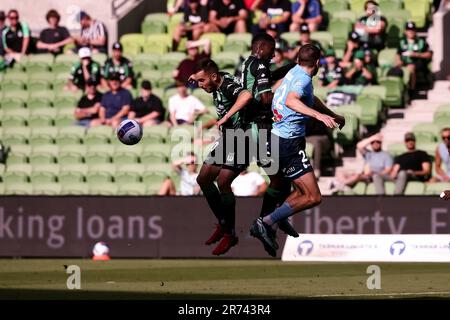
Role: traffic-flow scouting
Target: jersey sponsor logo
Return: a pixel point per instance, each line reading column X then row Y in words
column 236, row 91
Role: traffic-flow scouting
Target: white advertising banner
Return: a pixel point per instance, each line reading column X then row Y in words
column 367, row 247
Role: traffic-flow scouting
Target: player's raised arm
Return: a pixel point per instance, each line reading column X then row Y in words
column 243, row 99
column 293, row 102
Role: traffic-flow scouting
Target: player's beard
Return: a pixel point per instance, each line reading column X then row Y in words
column 315, row 71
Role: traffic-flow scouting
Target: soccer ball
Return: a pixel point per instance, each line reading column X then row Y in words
column 100, row 249
column 129, row 132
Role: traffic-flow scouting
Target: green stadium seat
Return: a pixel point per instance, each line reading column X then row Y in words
column 102, row 168
column 127, row 177
column 12, row 121
column 444, row 107
column 132, row 189
column 426, row 132
column 16, row 158
column 12, row 85
column 348, row 134
column 217, row 41
column 436, row 188
column 441, row 114
column 414, row 188
column 237, row 47
column 99, row 177
column 153, row 157
column 12, row 103
column 38, row 121
column 45, row 168
column 25, row 168
column 69, row 158
column 170, row 61
column 100, row 57
column 39, row 85
column 16, row 135
column 163, row 168
column 41, row 158
column 376, row 90
column 145, row 61
column 70, row 177
column 14, row 94
column 324, row 37
column 103, row 189
column 403, row 14
column 18, row 189
column 239, row 37
column 340, row 29
column 125, row 158
column 39, row 103
column 20, row 75
column 157, row 43
column 174, row 20
column 132, row 43
column 48, row 189
column 390, row 5
column 131, row 168
column 364, row 100
column 389, row 188
column 428, row 147
column 357, row 6
column 70, row 135
column 386, row 58
column 39, row 62
column 396, row 149
column 154, row 76
column 394, row 91
column 394, row 31
column 20, row 112
column 419, row 10
column 92, row 158
column 154, row 23
column 331, row 6
column 290, row 37
column 42, row 178
column 15, row 177
column 152, row 177
column 79, row 188
column 65, row 102
column 347, row 15
column 80, row 168
column 98, row 135
column 226, row 59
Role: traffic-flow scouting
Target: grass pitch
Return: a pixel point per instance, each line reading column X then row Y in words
column 218, row 279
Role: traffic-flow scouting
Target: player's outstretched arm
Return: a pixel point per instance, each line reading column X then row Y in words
column 243, row 99
column 293, row 102
column 322, row 108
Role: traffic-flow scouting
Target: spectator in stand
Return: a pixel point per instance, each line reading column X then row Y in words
column 83, row 70
column 306, row 11
column 276, row 13
column 180, row 5
column 115, row 104
column 16, row 37
column 280, row 43
column 193, row 24
column 249, row 184
column 330, row 74
column 53, row 39
column 183, row 107
column 377, row 166
column 278, row 60
column 353, row 45
column 89, row 105
column 186, row 168
column 188, row 65
column 305, row 38
column 322, row 140
column 413, row 165
column 148, row 109
column 2, row 27
column 413, row 52
column 117, row 63
column 442, row 157
column 360, row 73
column 372, row 27
column 227, row 16
column 93, row 34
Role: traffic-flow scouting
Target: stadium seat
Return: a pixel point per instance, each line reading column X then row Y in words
column 70, row 177
column 217, row 41
column 103, row 189
column 145, row 61
column 436, row 188
column 12, row 121
column 153, row 157
column 17, row 158
column 331, row 6
column 419, row 10
column 290, row 37
column 390, row 5
column 347, row 15
column 150, row 177
column 414, row 188
column 125, row 158
column 15, row 177
column 127, row 177
column 98, row 135
column 163, row 168
column 25, row 168
column 38, row 121
column 132, row 189
column 226, row 59
column 386, row 58
column 92, row 158
column 388, row 188
column 426, row 132
column 75, row 188
column 39, row 103
column 376, row 90
column 340, row 29
column 394, row 31
column 99, row 177
column 42, row 178
column 45, row 168
column 359, row 189
column 357, row 6
column 154, row 76
column 49, row 189
column 12, row 103
column 348, row 134
column 394, row 91
column 12, row 84
column 132, row 43
column 80, row 168
column 69, row 158
column 39, row 62
column 16, row 135
column 157, row 43
column 18, row 189
column 170, row 61
column 325, row 38
column 155, row 23
column 396, row 149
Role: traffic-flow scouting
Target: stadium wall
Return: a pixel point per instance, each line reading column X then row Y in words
column 168, row 227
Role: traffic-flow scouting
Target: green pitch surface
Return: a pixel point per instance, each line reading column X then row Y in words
column 220, row 279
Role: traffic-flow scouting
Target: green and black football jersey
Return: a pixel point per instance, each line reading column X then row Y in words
column 225, row 97
column 256, row 78
column 417, row 45
column 77, row 77
column 124, row 68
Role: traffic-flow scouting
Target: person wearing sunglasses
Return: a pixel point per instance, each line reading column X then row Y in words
column 442, row 158
column 16, row 37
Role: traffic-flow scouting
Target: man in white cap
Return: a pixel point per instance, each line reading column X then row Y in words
column 83, row 70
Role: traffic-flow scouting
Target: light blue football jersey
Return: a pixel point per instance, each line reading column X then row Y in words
column 289, row 123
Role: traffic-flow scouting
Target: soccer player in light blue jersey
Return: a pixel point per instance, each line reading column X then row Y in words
column 293, row 103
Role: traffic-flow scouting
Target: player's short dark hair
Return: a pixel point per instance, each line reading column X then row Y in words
column 13, row 11
column 207, row 65
column 52, row 13
column 308, row 55
column 445, row 129
column 262, row 38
